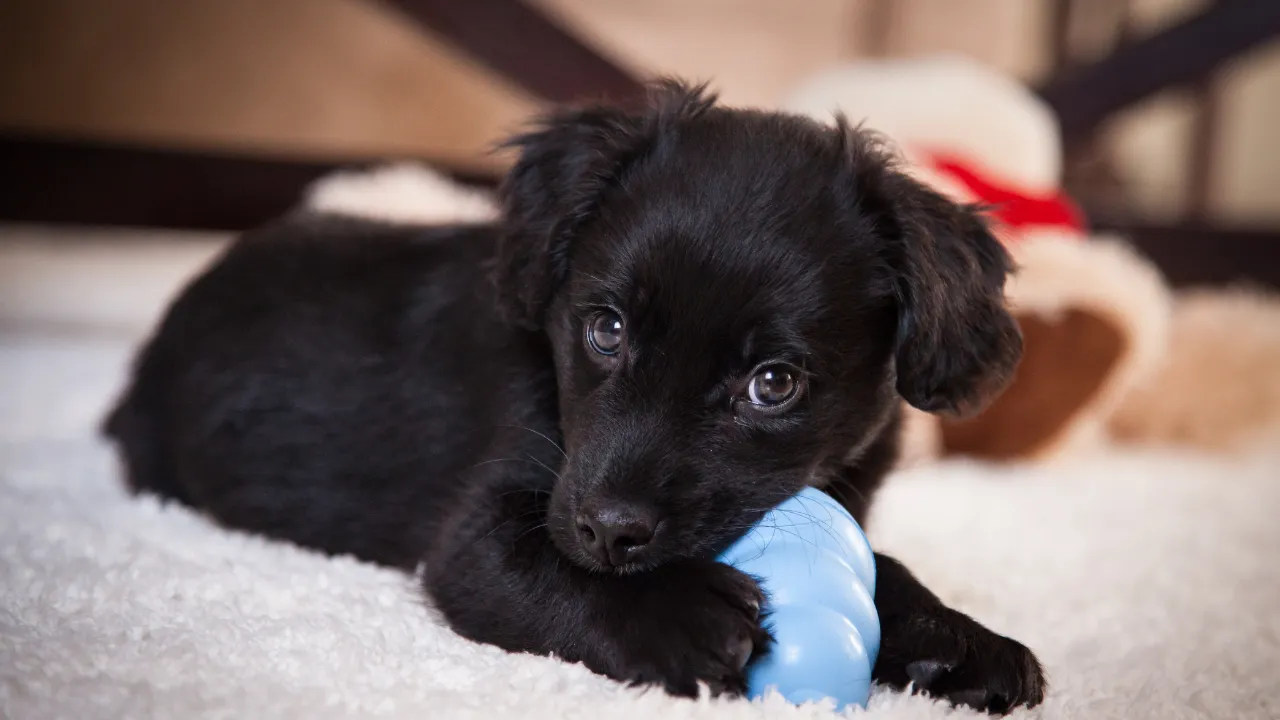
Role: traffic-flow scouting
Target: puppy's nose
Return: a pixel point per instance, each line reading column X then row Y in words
column 617, row 533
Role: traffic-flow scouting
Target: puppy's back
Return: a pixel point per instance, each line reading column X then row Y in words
column 288, row 388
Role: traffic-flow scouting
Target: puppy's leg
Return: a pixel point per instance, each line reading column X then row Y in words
column 495, row 574
column 944, row 652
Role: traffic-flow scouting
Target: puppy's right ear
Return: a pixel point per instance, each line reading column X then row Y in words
column 566, row 163
column 958, row 345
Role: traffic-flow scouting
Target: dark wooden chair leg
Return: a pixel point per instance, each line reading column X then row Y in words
column 1083, row 97
column 526, row 47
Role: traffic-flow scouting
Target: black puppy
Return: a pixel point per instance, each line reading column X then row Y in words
column 683, row 317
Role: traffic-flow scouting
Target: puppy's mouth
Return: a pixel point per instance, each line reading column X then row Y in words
column 630, row 568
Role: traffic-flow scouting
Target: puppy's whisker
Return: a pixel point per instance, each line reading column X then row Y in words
column 824, row 525
column 588, row 275
column 554, row 444
column 839, row 492
column 545, row 466
column 789, row 529
column 504, row 523
column 534, row 491
column 535, row 528
column 793, row 533
column 526, row 461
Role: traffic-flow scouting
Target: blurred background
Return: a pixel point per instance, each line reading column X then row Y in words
column 1169, row 107
column 137, row 135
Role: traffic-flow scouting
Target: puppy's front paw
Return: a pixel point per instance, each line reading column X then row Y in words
column 685, row 624
column 947, row 654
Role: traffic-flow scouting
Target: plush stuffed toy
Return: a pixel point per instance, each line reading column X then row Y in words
column 1094, row 315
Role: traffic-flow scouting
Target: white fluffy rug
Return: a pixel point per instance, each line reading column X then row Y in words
column 1148, row 582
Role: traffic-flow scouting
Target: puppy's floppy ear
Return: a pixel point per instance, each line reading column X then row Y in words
column 567, row 162
column 958, row 346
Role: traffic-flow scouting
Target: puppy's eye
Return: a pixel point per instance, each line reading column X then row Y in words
column 604, row 332
column 772, row 386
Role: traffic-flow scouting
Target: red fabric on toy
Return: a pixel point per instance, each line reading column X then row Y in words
column 1012, row 207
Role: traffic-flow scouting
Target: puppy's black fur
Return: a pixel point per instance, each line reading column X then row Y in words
column 567, row 414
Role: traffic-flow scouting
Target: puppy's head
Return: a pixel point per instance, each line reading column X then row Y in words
column 735, row 300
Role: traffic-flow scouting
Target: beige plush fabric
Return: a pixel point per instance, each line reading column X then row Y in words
column 1218, row 385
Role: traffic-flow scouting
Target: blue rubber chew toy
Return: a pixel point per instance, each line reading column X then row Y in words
column 819, row 574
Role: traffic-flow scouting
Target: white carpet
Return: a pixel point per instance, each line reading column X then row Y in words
column 1148, row 583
